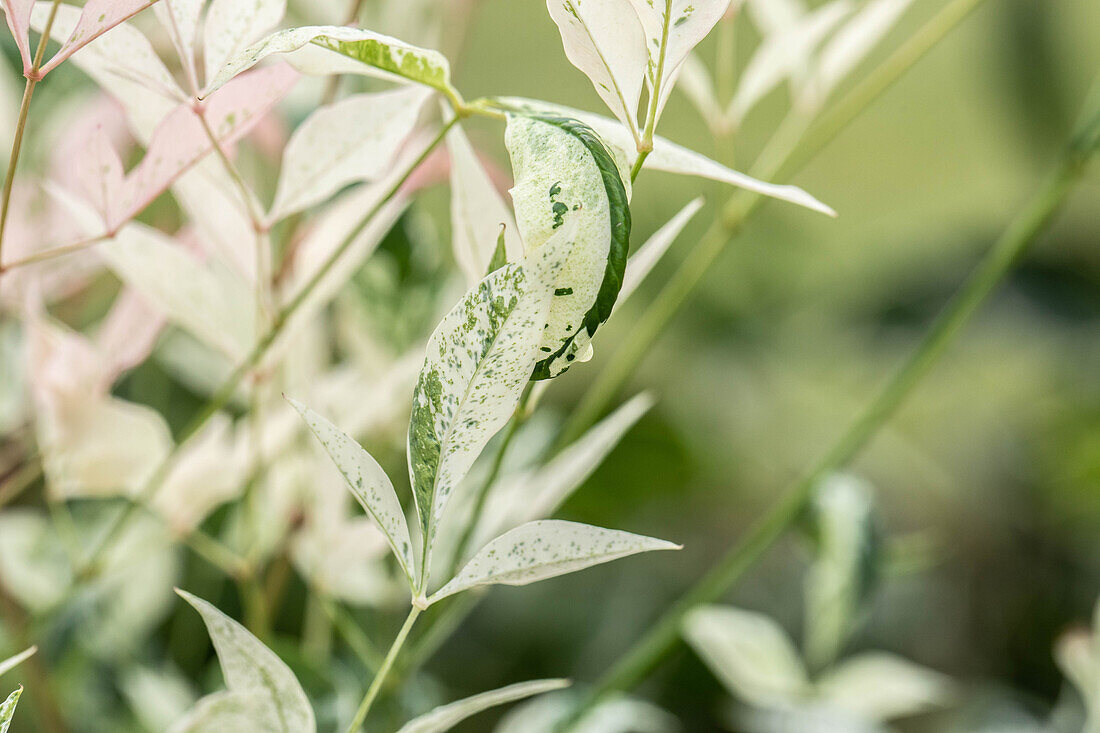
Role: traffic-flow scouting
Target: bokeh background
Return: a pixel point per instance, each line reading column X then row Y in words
column 990, row 474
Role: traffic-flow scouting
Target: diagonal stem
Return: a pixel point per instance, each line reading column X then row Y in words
column 383, row 672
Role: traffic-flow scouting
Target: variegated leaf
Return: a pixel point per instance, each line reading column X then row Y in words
column 545, row 549
column 231, row 25
column 369, row 484
column 605, row 40
column 445, row 717
column 250, row 668
column 387, row 55
column 97, row 17
column 10, row 663
column 7, row 709
column 478, row 212
column 478, row 360
column 354, row 139
column 673, row 28
column 563, row 172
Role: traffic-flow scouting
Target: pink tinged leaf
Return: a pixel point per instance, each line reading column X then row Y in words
column 128, row 332
column 18, row 13
column 98, row 174
column 98, row 17
column 180, row 140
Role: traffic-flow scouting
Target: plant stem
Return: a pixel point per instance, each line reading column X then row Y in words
column 1013, row 243
column 50, row 254
column 21, row 122
column 347, row 627
column 383, row 671
column 229, row 387
column 774, row 160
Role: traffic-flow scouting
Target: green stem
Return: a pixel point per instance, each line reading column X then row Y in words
column 1013, row 243
column 229, row 387
column 347, row 627
column 21, row 122
column 383, row 671
column 775, row 158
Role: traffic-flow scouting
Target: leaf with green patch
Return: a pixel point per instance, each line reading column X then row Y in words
column 478, row 361
column 546, row 549
column 500, row 254
column 369, row 484
column 10, row 663
column 389, row 56
column 252, row 671
column 563, row 171
column 445, row 717
column 7, row 709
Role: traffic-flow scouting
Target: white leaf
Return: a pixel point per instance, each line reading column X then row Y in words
column 9, row 664
column 18, row 14
column 899, row 687
column 205, row 298
column 785, row 54
column 614, row 715
column 649, row 254
column 354, row 139
column 478, row 360
column 7, row 709
column 233, row 24
column 97, row 17
column 446, row 717
column 180, row 19
column 226, row 711
column 678, row 26
column 477, row 211
column 250, row 668
column 158, row 696
column 605, row 40
column 850, row 45
column 672, row 158
column 391, row 57
column 369, row 484
column 775, row 16
column 749, row 653
column 697, row 84
column 545, row 549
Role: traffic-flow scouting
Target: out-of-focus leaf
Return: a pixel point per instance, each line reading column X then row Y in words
column 650, row 253
column 545, row 549
column 445, row 717
column 478, row 361
column 749, row 653
column 673, row 28
column 18, row 14
column 10, row 663
column 672, row 158
column 180, row 19
column 390, row 56
column 614, row 715
column 606, row 41
column 7, row 709
column 228, row 711
column 698, row 86
column 97, row 17
column 252, row 673
column 477, row 212
column 354, row 139
column 564, row 173
column 1078, row 656
column 369, row 484
column 231, row 25
column 881, row 687
column 159, row 697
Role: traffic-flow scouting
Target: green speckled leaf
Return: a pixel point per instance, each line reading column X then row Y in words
column 7, row 710
column 563, row 171
column 445, row 717
column 478, row 360
column 545, row 549
column 374, row 50
column 369, row 484
column 251, row 669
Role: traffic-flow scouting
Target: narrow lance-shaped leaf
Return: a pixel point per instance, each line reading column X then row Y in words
column 250, row 668
column 374, row 50
column 10, row 663
column 7, row 709
column 369, row 484
column 18, row 14
column 96, row 18
column 354, row 139
column 654, row 248
column 231, row 25
column 478, row 360
column 478, row 212
column 180, row 19
column 673, row 28
column 605, row 40
column 564, row 172
column 669, row 157
column 545, row 549
column 445, row 717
